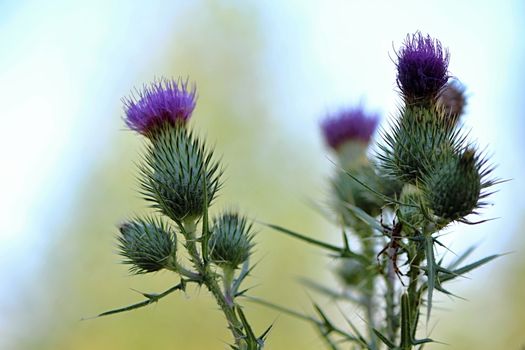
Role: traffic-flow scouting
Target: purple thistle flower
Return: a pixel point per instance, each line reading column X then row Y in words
column 349, row 124
column 422, row 68
column 164, row 102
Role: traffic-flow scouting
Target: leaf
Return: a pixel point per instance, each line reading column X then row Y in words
column 384, row 339
column 305, row 238
column 250, row 336
column 151, row 298
column 367, row 219
column 465, row 269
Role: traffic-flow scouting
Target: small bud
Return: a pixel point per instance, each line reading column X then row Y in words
column 175, row 170
column 452, row 99
column 165, row 102
column 230, row 241
column 348, row 133
column 422, row 69
column 146, row 245
column 453, row 189
column 409, row 214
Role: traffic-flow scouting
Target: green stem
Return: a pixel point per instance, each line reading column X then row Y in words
column 414, row 295
column 392, row 323
column 210, row 281
column 369, row 291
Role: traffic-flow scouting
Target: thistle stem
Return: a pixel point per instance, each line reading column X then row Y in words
column 210, row 281
column 414, row 295
column 369, row 291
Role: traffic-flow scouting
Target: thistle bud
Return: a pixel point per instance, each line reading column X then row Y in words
column 452, row 99
column 411, row 213
column 146, row 245
column 453, row 189
column 230, row 241
column 422, row 69
column 348, row 133
column 165, row 102
column 178, row 174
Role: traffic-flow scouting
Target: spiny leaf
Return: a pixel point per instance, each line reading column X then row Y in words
column 367, row 219
column 342, row 252
column 384, row 339
column 150, row 298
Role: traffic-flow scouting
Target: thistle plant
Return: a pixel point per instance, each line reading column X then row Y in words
column 180, row 177
column 393, row 198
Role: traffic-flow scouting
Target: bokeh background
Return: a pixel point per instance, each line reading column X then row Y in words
column 267, row 72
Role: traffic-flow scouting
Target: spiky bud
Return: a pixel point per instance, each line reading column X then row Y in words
column 348, row 132
column 452, row 99
column 422, row 69
column 164, row 102
column 409, row 212
column 230, row 242
column 178, row 174
column 453, row 190
column 147, row 245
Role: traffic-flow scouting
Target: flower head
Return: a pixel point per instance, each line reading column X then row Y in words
column 231, row 240
column 147, row 245
column 349, row 124
column 163, row 102
column 422, row 68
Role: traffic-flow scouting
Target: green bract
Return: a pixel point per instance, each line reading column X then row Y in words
column 231, row 240
column 453, row 189
column 417, row 141
column 147, row 245
column 174, row 172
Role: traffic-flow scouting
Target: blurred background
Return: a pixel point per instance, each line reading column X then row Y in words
column 266, row 72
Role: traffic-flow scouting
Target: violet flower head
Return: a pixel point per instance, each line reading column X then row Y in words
column 349, row 124
column 422, row 68
column 163, row 102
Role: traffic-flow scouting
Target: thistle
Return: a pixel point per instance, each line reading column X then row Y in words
column 349, row 132
column 425, row 176
column 453, row 189
column 164, row 102
column 230, row 240
column 147, row 245
column 179, row 175
column 422, row 69
column 180, row 178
